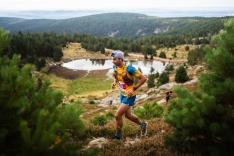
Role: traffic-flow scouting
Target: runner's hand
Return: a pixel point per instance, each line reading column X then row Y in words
column 130, row 92
column 113, row 85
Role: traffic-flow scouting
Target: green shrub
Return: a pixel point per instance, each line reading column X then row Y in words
column 114, row 107
column 162, row 54
column 100, row 120
column 129, row 130
column 150, row 82
column 92, row 130
column 110, row 115
column 169, row 67
column 187, row 48
column 91, row 102
column 181, row 75
column 163, row 78
column 148, row 111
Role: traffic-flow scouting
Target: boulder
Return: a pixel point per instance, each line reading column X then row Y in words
column 191, row 81
column 97, row 101
column 99, row 142
column 199, row 69
column 152, row 90
column 161, row 101
column 151, row 97
column 167, row 86
column 141, row 96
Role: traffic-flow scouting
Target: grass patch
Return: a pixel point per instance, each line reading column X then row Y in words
column 79, row 86
column 87, row 85
column 180, row 52
column 58, row 83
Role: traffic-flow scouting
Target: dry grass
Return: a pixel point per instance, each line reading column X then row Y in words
column 181, row 53
column 75, row 51
column 151, row 145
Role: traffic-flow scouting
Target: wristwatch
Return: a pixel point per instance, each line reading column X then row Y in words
column 134, row 88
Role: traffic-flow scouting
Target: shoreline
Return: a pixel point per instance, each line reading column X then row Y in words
column 131, row 57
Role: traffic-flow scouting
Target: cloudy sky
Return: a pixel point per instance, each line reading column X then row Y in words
column 107, row 4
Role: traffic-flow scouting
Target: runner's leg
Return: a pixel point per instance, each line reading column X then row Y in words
column 118, row 116
column 131, row 116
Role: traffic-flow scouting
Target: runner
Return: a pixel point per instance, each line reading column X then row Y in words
column 168, row 96
column 124, row 77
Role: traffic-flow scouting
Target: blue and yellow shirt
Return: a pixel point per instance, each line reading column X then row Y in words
column 125, row 78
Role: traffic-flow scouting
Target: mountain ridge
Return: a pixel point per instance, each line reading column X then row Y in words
column 126, row 25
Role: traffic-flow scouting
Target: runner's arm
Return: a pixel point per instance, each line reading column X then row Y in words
column 113, row 84
column 141, row 81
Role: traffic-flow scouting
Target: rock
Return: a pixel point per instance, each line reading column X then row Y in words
column 84, row 100
column 151, row 97
column 152, row 90
column 97, row 101
column 158, row 95
column 100, row 142
column 140, row 97
column 128, row 139
column 199, row 69
column 161, row 101
column 132, row 142
column 137, row 139
column 191, row 81
column 167, row 86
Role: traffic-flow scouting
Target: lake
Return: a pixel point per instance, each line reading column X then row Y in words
column 100, row 64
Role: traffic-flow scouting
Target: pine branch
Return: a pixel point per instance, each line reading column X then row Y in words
column 224, row 64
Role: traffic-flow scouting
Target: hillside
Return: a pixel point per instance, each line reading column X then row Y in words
column 131, row 25
column 131, row 139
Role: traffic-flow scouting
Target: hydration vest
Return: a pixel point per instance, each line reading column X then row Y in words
column 125, row 76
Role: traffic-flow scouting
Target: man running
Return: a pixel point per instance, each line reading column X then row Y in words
column 168, row 96
column 124, row 77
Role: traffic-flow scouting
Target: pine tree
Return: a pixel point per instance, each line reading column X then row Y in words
column 163, row 78
column 30, row 116
column 150, row 82
column 181, row 75
column 4, row 39
column 162, row 54
column 204, row 121
column 192, row 57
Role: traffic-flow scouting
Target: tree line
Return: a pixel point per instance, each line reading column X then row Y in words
column 35, row 47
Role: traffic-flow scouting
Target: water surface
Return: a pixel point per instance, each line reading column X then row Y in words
column 100, row 64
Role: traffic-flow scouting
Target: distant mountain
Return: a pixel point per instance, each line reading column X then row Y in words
column 159, row 12
column 43, row 14
column 131, row 25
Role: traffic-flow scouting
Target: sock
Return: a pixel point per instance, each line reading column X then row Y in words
column 119, row 134
column 142, row 124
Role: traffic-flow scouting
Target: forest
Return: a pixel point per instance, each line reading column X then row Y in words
column 121, row 25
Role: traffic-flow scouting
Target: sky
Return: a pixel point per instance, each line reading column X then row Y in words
column 20, row 5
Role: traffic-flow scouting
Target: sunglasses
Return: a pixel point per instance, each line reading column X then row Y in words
column 113, row 54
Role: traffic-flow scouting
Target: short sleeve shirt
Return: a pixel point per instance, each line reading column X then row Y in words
column 131, row 73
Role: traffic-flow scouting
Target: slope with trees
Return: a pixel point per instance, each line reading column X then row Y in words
column 202, row 121
column 32, row 122
column 128, row 25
